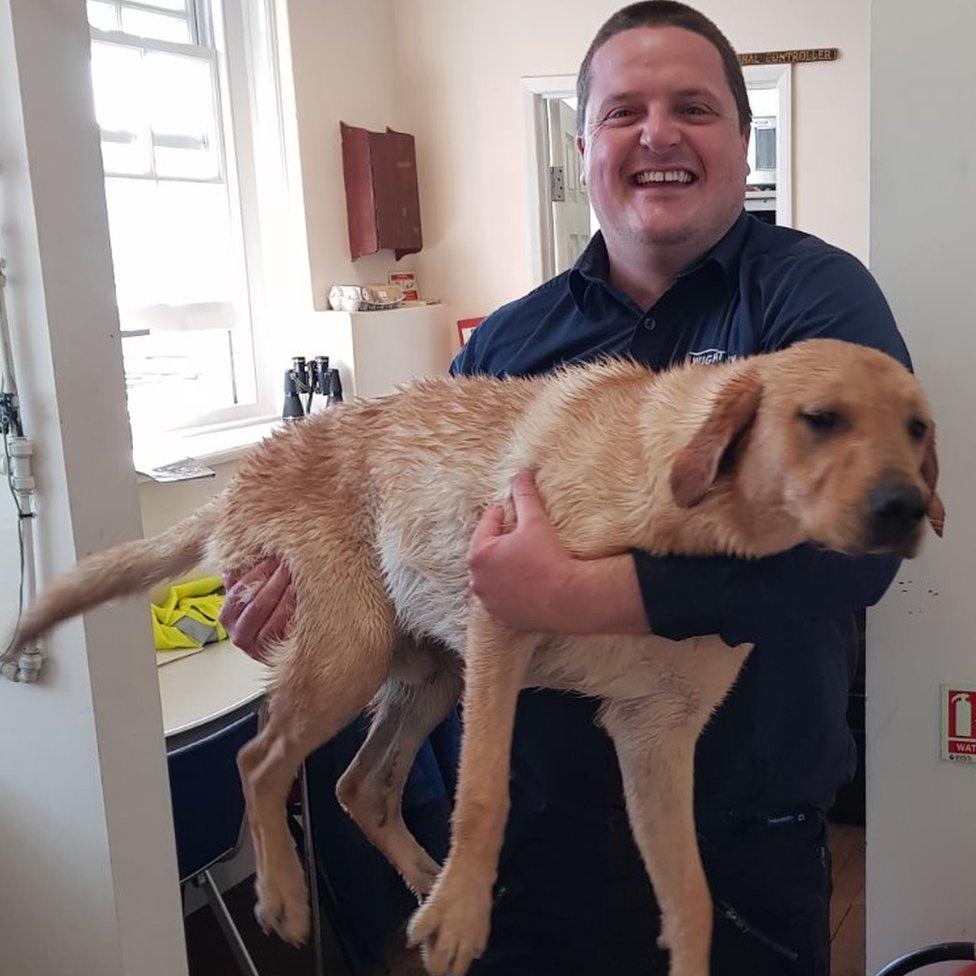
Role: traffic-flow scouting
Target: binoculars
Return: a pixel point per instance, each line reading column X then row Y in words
column 308, row 378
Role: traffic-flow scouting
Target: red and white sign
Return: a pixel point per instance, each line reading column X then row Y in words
column 958, row 724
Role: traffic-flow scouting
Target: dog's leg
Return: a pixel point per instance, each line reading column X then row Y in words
column 453, row 924
column 317, row 692
column 655, row 736
column 371, row 788
column 268, row 765
column 657, row 777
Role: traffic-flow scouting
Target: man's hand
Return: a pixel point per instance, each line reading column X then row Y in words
column 529, row 581
column 519, row 575
column 258, row 607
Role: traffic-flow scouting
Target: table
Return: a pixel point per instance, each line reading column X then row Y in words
column 208, row 690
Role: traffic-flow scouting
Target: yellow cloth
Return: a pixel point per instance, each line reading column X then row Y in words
column 196, row 603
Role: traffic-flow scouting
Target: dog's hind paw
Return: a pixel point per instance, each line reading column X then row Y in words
column 288, row 915
column 421, row 876
column 452, row 928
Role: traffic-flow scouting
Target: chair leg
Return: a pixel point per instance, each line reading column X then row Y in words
column 333, row 952
column 241, row 955
column 311, row 871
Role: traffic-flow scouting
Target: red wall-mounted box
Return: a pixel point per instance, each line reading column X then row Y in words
column 382, row 196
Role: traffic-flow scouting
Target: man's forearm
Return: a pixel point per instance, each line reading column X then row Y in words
column 603, row 597
column 691, row 596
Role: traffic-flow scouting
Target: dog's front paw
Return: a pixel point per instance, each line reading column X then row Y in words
column 452, row 927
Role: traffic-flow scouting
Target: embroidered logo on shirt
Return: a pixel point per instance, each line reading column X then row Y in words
column 711, row 356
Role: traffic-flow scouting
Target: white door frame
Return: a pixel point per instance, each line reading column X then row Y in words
column 780, row 77
column 536, row 89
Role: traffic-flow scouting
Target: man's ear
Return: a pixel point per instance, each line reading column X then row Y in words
column 935, row 510
column 697, row 465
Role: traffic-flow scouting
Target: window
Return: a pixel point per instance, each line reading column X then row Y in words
column 764, row 132
column 172, row 162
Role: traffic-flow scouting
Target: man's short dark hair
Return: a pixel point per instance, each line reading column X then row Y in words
column 664, row 13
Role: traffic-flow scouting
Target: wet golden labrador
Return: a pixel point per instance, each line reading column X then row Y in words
column 372, row 506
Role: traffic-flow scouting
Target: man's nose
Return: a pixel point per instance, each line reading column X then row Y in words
column 894, row 511
column 659, row 133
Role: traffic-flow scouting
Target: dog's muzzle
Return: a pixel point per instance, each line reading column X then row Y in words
column 895, row 512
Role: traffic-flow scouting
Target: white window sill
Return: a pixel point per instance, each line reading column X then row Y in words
column 209, row 447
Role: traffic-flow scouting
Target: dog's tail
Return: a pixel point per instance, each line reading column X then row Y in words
column 129, row 568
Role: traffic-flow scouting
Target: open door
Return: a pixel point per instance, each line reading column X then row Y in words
column 571, row 214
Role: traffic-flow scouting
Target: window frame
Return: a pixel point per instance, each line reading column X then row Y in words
column 227, row 27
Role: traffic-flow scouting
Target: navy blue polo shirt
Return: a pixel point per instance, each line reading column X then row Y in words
column 781, row 738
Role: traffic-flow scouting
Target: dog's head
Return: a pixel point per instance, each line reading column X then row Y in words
column 836, row 438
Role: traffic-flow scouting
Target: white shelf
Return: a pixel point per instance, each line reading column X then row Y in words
column 378, row 351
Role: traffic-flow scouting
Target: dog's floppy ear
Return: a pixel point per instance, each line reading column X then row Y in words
column 697, row 464
column 935, row 510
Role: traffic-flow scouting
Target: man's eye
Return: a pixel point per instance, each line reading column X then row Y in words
column 618, row 113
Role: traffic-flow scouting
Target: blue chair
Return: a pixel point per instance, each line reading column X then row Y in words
column 208, row 815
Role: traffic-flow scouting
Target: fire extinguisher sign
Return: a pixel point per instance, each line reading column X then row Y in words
column 958, row 724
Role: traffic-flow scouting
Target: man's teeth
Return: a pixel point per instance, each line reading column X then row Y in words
column 665, row 176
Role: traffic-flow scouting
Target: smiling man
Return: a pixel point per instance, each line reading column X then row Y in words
column 678, row 271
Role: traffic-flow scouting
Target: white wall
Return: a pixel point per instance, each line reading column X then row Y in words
column 921, row 844
column 164, row 504
column 87, row 859
column 342, row 57
column 458, row 71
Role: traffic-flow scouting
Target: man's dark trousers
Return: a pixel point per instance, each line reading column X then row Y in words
column 566, row 908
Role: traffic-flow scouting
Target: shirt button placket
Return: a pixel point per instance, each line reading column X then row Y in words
column 642, row 342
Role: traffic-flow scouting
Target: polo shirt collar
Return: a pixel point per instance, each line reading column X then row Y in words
column 593, row 265
column 727, row 252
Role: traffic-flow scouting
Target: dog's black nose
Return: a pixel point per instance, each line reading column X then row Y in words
column 895, row 511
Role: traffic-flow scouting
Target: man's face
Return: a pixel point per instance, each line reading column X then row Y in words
column 664, row 157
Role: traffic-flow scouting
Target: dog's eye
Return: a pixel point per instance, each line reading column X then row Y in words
column 822, row 421
column 917, row 429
